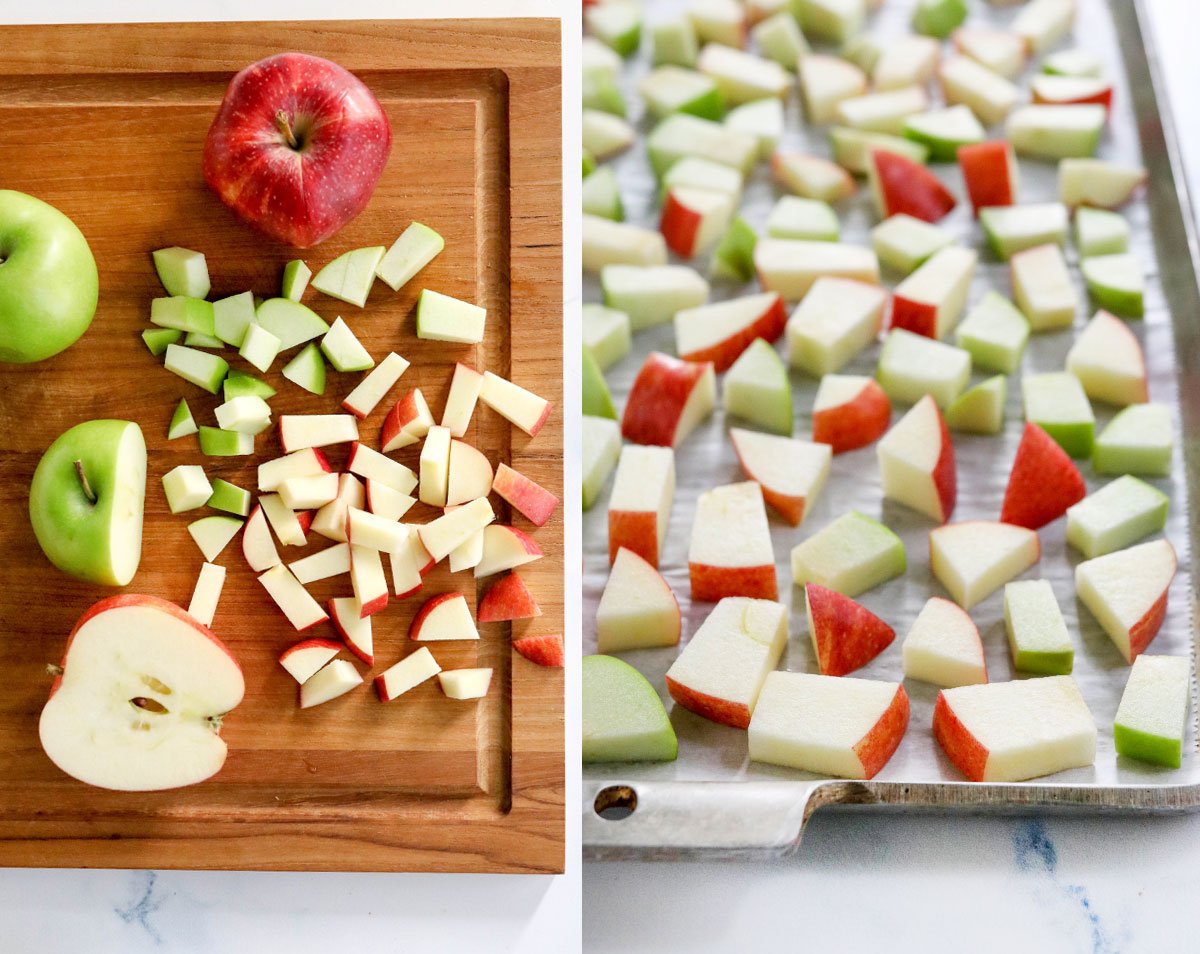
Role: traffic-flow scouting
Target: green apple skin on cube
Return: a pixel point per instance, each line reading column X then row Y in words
column 289, row 321
column 911, row 366
column 617, row 25
column 307, row 369
column 1152, row 717
column 674, row 43
column 1139, row 440
column 196, row 340
column 1073, row 62
column 938, row 18
column 213, row 533
column 670, row 89
column 296, row 274
column 1013, row 228
column 852, row 554
column 980, row 409
column 157, row 339
column 733, row 257
column 763, row 118
column 902, row 242
column 942, row 131
column 229, row 497
column 794, row 217
column 1114, row 283
column 602, row 195
column 601, row 447
column 215, row 442
column 182, row 423
column 259, row 347
column 186, row 487
column 232, row 316
column 1056, row 402
column 344, row 351
column 587, row 166
column 1037, row 633
column 835, row 20
column 994, row 333
column 349, row 277
column 183, row 313
column 248, row 415
column 182, row 272
column 442, row 318
column 417, row 246
column 600, row 91
column 597, row 401
column 239, row 383
column 779, row 38
column 1056, row 132
column 607, row 334
column 623, row 717
column 1116, row 516
column 197, row 367
column 756, row 389
column 1100, row 232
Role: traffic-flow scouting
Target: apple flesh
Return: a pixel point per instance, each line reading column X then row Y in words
column 916, row 462
column 778, row 35
column 213, row 534
column 793, row 217
column 1056, row 132
column 1126, row 591
column 455, row 527
column 544, row 650
column 791, row 267
column 668, row 400
column 1099, row 232
column 1151, row 719
column 257, row 546
column 1115, row 282
column 1107, row 359
column 994, row 334
column 349, row 277
column 375, row 385
column 409, row 420
column 333, row 681
column 623, row 717
column 835, row 322
column 900, row 185
column 812, row 177
column 945, row 131
column 601, row 448
column 989, row 95
column 1001, row 51
column 884, row 112
column 730, row 552
column 1037, row 633
column 1098, row 183
column 307, row 369
column 903, row 243
column 332, row 561
column 528, row 497
column 851, row 555
column 1056, row 402
column 672, row 89
column 680, row 135
column 305, row 658
column 354, row 628
column 980, row 409
column 990, row 174
column 912, row 366
column 465, row 684
column 943, row 647
column 1138, row 440
column 1043, row 482
column 975, row 558
column 1116, row 516
column 344, row 351
column 651, row 294
column 443, row 617
column 637, row 610
column 406, row 675
column 762, row 119
column 930, row 300
column 790, row 472
column 293, row 600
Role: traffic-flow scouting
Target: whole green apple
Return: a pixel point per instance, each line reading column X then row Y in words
column 48, row 280
column 86, row 501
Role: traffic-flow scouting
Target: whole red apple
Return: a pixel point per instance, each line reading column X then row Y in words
column 297, row 147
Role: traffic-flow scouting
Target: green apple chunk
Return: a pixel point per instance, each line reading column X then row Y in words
column 344, row 350
column 851, row 555
column 601, row 447
column 835, row 20
column 182, row 423
column 1115, row 283
column 212, row 534
column 296, row 274
column 186, row 487
column 681, row 135
column 196, row 340
column 980, row 410
column 197, row 367
column 157, row 339
column 1013, row 228
column 289, row 321
column 757, row 389
column 994, row 333
column 1100, row 232
column 232, row 316
column 606, row 334
column 215, row 442
column 307, row 369
column 938, row 17
column 670, row 89
column 48, row 280
column 733, row 258
column 1116, row 516
column 349, row 277
column 247, row 415
column 911, row 366
column 1037, row 632
column 623, row 717
column 902, row 242
column 616, row 24
column 763, row 119
column 944, row 130
column 1056, row 132
column 1056, row 402
column 600, row 91
column 442, row 318
column 87, row 499
column 238, row 383
column 184, row 314
column 182, row 271
column 1138, row 440
column 852, row 147
column 1152, row 717
column 597, row 401
column 1073, row 62
column 795, row 217
column 588, row 165
column 674, row 42
column 605, row 135
column 780, row 39
column 229, row 497
column 417, row 246
column 602, row 195
column 260, row 347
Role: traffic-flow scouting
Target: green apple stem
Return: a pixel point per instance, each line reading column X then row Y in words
column 83, row 482
column 285, row 127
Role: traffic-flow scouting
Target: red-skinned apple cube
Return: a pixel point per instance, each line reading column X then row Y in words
column 542, row 650
column 720, row 332
column 811, row 176
column 640, row 504
column 790, row 472
column 353, row 627
column 1126, row 591
column 1043, row 482
column 367, row 580
column 692, row 220
column 730, row 552
column 407, row 422
column 303, row 659
column 528, row 497
column 508, row 599
column 850, row 411
column 931, row 299
column 505, row 548
column 845, row 634
column 900, row 185
column 638, row 609
column 669, row 398
column 520, row 407
column 989, row 171
column 916, row 462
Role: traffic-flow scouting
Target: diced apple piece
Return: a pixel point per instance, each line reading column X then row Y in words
column 443, row 617
column 733, row 258
column 197, row 367
column 1056, row 402
column 849, row 411
column 184, row 313
column 301, row 463
column 1013, row 229
column 212, row 534
column 938, row 18
column 305, row 658
column 790, row 472
column 671, row 89
column 386, row 502
column 1126, row 591
column 232, row 316
column 1098, row 182
column 207, row 593
column 742, row 77
column 157, row 339
column 407, row 674
column 851, row 555
column 980, row 409
column 606, row 333
column 718, row 21
column 1043, row 23
column 505, row 548
column 1139, row 440
column 730, row 552
column 407, row 563
column 673, row 42
column 651, row 295
column 1107, row 359
column 596, row 397
column 375, row 385
column 416, row 247
column 837, row 319
column 605, row 135
column 230, row 498
column 929, row 301
column 990, row 174
column 332, row 561
column 637, row 609
column 811, row 177
column 182, row 271
column 791, row 267
column 1152, row 718
column 883, row 112
column 283, row 521
column 307, row 369
column 344, row 350
column 455, row 527
column 522, row 408
column 693, row 172
column 945, row 131
column 289, row 321
column 186, row 487
column 757, row 389
column 793, row 217
column 681, row 135
column 367, row 580
column 349, row 277
column 640, row 505
column 1001, row 51
column 943, row 647
column 333, row 681
column 1037, row 634
column 902, row 243
column 409, row 419
column 762, row 119
column 669, row 398
column 905, row 61
column 1073, row 62
column 465, row 683
column 617, row 24
column 545, row 650
column 238, row 383
column 916, row 462
column 718, row 333
column 902, row 185
column 852, row 148
column 833, row 20
column 508, row 599
column 1056, row 132
column 1099, row 232
column 1115, row 282
column 301, row 431
column 301, row 610
column 623, row 718
column 989, row 95
column 374, row 532
column 619, row 243
column 1116, row 516
column 1043, row 482
column 215, row 442
column 246, row 415
column 1042, row 288
column 354, row 628
column 911, row 366
column 994, row 333
column 526, row 496
column 692, row 221
column 296, row 274
column 845, row 635
column 778, row 36
column 257, row 546
column 975, row 558
column 601, row 447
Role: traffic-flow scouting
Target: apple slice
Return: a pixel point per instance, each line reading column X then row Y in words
column 212, row 534
column 721, row 670
column 790, row 472
column 623, row 718
column 302, row 660
column 1001, row 51
column 902, row 243
column 989, row 95
column 1138, row 440
column 371, row 531
column 1042, row 287
column 232, row 316
column 1043, row 482
column 387, row 503
column 1011, row 731
column 505, row 548
column 757, row 389
column 1152, row 718
column 508, row 599
column 470, row 474
column 1043, row 23
column 301, row 431
column 283, row 520
column 733, row 258
column 528, row 497
column 777, row 34
column 637, row 610
column 289, row 321
column 349, row 277
column 1056, row 132
column 912, row 366
column 994, row 333
column 1098, row 182
column 1056, row 402
column 302, row 463
column 605, row 135
column 435, row 466
column 601, row 447
column 845, row 635
column 606, row 243
column 851, row 555
column 916, row 462
column 989, row 171
column 367, row 579
column 742, row 77
column 1037, row 633
column 182, row 271
column 182, row 423
column 344, row 350
column 1099, row 232
column 1107, row 359
column 1073, row 62
column 938, row 18
column 902, row 185
column 465, row 386
column 196, row 367
column 521, row 408
column 409, row 419
column 1126, row 591
column 308, row 493
column 680, row 135
column 289, row 594
column 257, row 546
column 651, row 295
column 1013, row 229
column 307, row 369
column 353, row 627
column 144, row 715
column 1116, row 283
column 905, row 61
column 406, row 565
column 762, row 119
column 1116, row 516
column 442, row 318
column 730, row 552
column 694, row 172
column 157, row 339
column 842, row 727
column 1060, row 90
column 849, row 412
column 416, row 247
column 692, row 221
column 230, row 498
column 719, row 333
column 980, row 409
column 542, row 650
column 333, row 681
column 443, row 617
column 215, row 442
column 602, row 195
column 930, row 300
column 837, row 319
column 945, row 131
column 883, row 112
column 975, row 558
column 466, row 555
column 332, row 561
column 372, row 465
column 806, row 219
column 465, row 683
column 852, row 148
column 455, row 527
column 640, row 504
column 673, row 89
column 407, row 674
column 375, row 385
column 835, row 20
column 669, row 398
column 943, row 647
column 791, row 267
column 237, row 383
column 186, row 487
column 207, row 593
column 811, row 176
column 183, row 313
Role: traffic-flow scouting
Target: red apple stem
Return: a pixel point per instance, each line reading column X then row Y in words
column 83, row 482
column 285, row 127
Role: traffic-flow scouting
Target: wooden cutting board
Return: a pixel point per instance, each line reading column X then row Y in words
column 107, row 123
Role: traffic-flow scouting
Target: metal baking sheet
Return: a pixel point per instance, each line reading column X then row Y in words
column 713, row 797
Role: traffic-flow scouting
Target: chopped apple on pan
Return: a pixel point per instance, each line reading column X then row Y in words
column 852, row 148
column 916, row 462
column 137, row 705
column 257, row 546
column 207, row 593
column 1056, row 402
column 718, row 21
column 845, row 635
column 902, row 185
column 778, row 35
column 906, row 61
column 980, row 409
column 1011, row 731
column 668, row 400
column 521, row 408
column 416, row 247
column 1042, row 288
column 1116, row 516
column 945, row 131
column 912, row 366
column 834, row 20
column 672, row 89
column 1139, row 440
column 757, row 389
column 1014, row 228
column 989, row 171
column 293, row 600
column 791, row 267
column 442, row 617
column 812, row 177
column 637, row 610
column 546, row 650
column 989, row 95
column 994, row 333
column 505, row 548
column 837, row 319
column 742, row 77
column 640, row 504
column 353, row 627
column 720, row 332
column 1152, row 718
column 694, row 172
column 849, row 412
column 1100, row 232
column 806, row 219
column 623, row 717
column 650, row 295
column 762, row 119
column 790, row 472
column 733, row 258
column 841, row 727
column 407, row 674
column 851, row 555
column 1001, row 51
column 1061, row 90
column 606, row 242
column 1098, row 183
column 1043, row 23
column 371, row 465
column 1056, row 132
column 1043, row 482
column 1073, row 62
column 526, row 496
column 305, row 658
column 375, row 385
column 721, row 670
column 605, row 135
column 1107, row 359
column 975, row 558
column 508, row 599
column 1116, row 283
column 1037, row 633
column 212, row 534
column 943, row 647
column 680, row 135
column 1126, row 591
column 938, row 18
column 692, row 221
column 465, row 683
column 930, row 300
column 455, row 527
column 883, row 112
column 903, row 243
column 730, row 552
column 601, row 446
column 302, row 431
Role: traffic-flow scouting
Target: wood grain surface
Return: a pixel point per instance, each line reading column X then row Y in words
column 107, row 123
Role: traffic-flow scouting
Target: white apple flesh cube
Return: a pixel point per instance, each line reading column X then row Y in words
column 1100, row 232
column 990, row 96
column 670, row 89
column 931, row 299
column 301, row 431
column 811, row 176
column 504, row 548
column 305, row 658
column 778, row 35
column 911, row 366
column 1138, row 440
column 257, row 546
column 520, row 407
column 906, row 61
column 197, row 367
column 1042, row 288
column 451, row 530
column 1115, row 282
column 902, row 242
column 791, row 473
column 762, row 119
column 259, row 346
column 409, row 419
column 640, row 504
column 1097, row 182
column 673, row 42
column 980, row 409
column 694, row 172
column 1001, row 51
column 407, row 674
column 375, row 385
column 435, row 467
column 470, row 474
column 1073, row 62
column 994, row 333
column 605, row 135
column 601, row 446
column 790, row 267
column 852, row 148
column 681, row 135
column 332, row 561
column 442, row 318
column 1126, row 591
column 372, row 465
column 349, row 277
column 232, row 316
column 417, row 246
column 1107, row 359
column 215, row 442
column 301, row 610
column 757, row 389
column 301, row 463
column 1116, row 516
column 1151, row 720
column 406, row 566
column 344, row 350
column 944, row 131
column 975, row 558
column 742, row 77
column 373, row 532
column 465, row 683
column 246, row 415
column 308, row 493
column 367, row 580
column 1015, row 228
column 207, row 593
column 793, row 217
column 826, row 81
column 637, row 609
column 212, row 534
column 837, row 319
column 884, row 112
column 1056, row 132
column 387, row 502
column 283, row 521
column 721, row 671
column 651, row 295
column 1043, row 23
column 289, row 321
column 916, row 462
column 943, row 647
column 333, row 681
column 730, row 552
column 182, row 271
column 851, row 555
column 606, row 334
column 444, row 617
column 186, row 487
column 831, row 725
column 466, row 555
column 720, row 331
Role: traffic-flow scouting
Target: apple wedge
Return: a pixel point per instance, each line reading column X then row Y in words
column 929, row 301
column 544, row 650
column 980, row 409
column 1151, row 720
column 601, row 447
column 668, row 400
column 470, row 474
column 1001, row 51
column 900, row 185
column 416, row 247
column 1042, row 287
column 757, row 389
column 837, row 319
column 507, row 599
column 302, row 660
column 763, row 119
column 1107, row 359
column 293, row 600
column 845, row 635
column 520, row 407
column 913, row 366
column 465, row 684
column 650, row 295
column 386, row 502
column 639, row 507
column 791, row 267
column 851, row 555
column 367, row 580
column 1116, row 516
column 777, row 34
column 375, row 385
column 680, row 135
column 1056, row 402
column 373, row 532
column 330, row 520
column 692, row 221
column 742, row 77
column 505, row 548
column 207, row 593
column 793, row 217
column 943, row 647
column 1043, row 482
column 720, row 332
column 882, row 112
column 301, row 431
column 811, row 177
column 455, row 527
column 606, row 243
column 443, row 617
column 1116, row 283
column 257, row 546
column 975, row 558
column 212, row 534
column 1098, row 183
column 1100, row 232
column 332, row 561
column 353, row 627
column 916, row 462
column 308, row 493
column 990, row 174
column 465, row 386
column 1043, row 23
column 283, row 520
column 672, row 89
column 623, row 717
column 790, row 472
column 994, row 333
column 1062, row 90
column 1126, row 591
column 965, row 82
column 407, row 674
column 730, row 552
column 1056, row 132
column 945, row 131
column 849, row 411
column 301, row 463
column 903, row 243
column 186, row 487
column 526, row 496
column 1138, row 440
column 637, row 610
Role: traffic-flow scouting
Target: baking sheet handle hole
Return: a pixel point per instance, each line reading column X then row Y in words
column 615, row 802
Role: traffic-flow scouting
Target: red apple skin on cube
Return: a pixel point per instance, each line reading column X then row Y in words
column 945, row 472
column 1042, row 483
column 543, row 650
column 711, row 584
column 300, row 194
column 403, row 413
column 856, row 423
column 846, row 633
column 768, row 326
column 414, row 628
column 635, row 530
column 679, row 226
column 919, row 317
column 1102, row 98
column 533, row 500
column 349, row 643
column 305, row 519
column 907, row 186
column 988, row 174
column 961, row 747
column 876, row 748
column 657, row 399
column 709, row 707
column 1142, row 633
column 507, row 599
